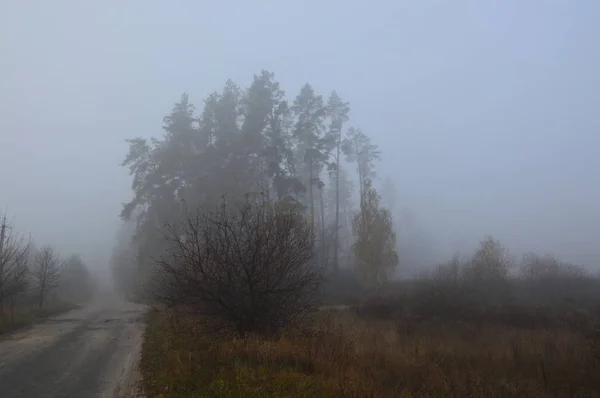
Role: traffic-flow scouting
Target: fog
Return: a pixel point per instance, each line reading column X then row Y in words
column 485, row 112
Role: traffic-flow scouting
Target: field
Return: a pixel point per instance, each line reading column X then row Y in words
column 386, row 347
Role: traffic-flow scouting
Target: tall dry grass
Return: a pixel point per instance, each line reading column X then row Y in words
column 344, row 354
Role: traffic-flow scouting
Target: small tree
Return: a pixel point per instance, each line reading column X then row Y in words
column 46, row 272
column 491, row 261
column 247, row 268
column 536, row 267
column 375, row 244
column 14, row 252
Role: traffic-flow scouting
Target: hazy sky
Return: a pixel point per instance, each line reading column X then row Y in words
column 487, row 111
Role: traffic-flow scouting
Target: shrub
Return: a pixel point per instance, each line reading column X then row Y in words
column 245, row 269
column 491, row 261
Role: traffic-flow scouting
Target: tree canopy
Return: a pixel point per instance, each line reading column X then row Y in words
column 295, row 153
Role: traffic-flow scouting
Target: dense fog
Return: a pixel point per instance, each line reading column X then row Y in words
column 484, row 112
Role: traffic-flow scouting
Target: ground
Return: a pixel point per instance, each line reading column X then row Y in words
column 88, row 352
column 364, row 354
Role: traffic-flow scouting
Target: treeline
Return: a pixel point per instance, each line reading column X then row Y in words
column 491, row 281
column 494, row 262
column 493, row 274
column 252, row 144
column 34, row 278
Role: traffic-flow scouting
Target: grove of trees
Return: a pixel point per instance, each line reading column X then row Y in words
column 291, row 160
column 32, row 279
column 241, row 211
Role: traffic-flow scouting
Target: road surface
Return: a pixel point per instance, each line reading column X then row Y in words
column 86, row 353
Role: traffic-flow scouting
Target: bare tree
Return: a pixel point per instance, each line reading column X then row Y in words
column 46, row 272
column 14, row 251
column 246, row 269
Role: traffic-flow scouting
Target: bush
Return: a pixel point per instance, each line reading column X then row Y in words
column 491, row 261
column 549, row 293
column 245, row 269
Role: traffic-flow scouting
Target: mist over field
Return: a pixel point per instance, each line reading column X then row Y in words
column 292, row 199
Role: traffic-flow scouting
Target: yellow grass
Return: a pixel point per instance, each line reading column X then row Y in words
column 344, row 355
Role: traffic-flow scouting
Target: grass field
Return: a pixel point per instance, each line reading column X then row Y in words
column 366, row 354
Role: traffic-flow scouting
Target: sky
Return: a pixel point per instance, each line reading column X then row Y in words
column 486, row 111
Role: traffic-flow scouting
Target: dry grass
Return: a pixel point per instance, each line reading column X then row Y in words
column 350, row 355
column 23, row 317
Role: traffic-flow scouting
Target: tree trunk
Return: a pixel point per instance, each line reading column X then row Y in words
column 1, row 296
column 310, row 192
column 336, row 237
column 323, row 245
column 13, row 302
column 360, row 176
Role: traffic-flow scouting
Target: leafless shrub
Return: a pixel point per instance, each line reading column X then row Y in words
column 46, row 272
column 246, row 269
column 14, row 252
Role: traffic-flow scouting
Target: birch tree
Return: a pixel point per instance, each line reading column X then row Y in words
column 375, row 240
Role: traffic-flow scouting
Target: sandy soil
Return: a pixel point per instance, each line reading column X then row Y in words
column 86, row 353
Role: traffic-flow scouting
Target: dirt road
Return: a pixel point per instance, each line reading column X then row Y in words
column 86, row 353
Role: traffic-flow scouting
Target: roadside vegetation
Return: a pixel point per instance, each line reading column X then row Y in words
column 247, row 226
column 37, row 282
column 537, row 338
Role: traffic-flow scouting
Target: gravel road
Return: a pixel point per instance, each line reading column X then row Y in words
column 86, row 353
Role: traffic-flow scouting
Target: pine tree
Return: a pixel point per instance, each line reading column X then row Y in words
column 359, row 149
column 339, row 198
column 267, row 121
column 338, row 113
column 310, row 115
column 161, row 175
